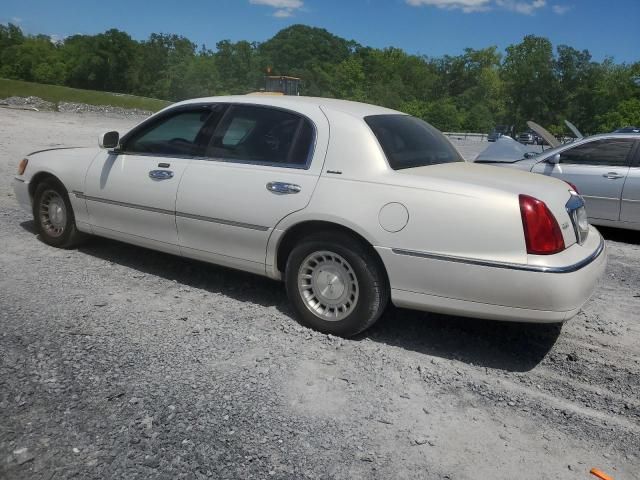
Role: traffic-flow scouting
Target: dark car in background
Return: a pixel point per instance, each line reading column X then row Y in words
column 529, row 137
column 627, row 130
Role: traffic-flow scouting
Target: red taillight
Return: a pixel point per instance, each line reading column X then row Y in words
column 541, row 230
column 573, row 187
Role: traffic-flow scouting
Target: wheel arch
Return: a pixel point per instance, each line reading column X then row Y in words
column 40, row 177
column 306, row 228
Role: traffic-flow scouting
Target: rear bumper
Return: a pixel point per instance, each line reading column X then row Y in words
column 21, row 191
column 551, row 289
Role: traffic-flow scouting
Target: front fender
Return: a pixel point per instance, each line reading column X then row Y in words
column 69, row 166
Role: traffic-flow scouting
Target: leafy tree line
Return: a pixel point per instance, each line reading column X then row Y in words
column 468, row 92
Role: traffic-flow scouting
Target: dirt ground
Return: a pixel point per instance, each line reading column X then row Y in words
column 120, row 362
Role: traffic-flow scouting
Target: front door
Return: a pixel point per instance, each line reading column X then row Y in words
column 598, row 169
column 263, row 164
column 131, row 192
column 630, row 208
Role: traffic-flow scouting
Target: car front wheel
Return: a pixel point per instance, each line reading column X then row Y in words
column 53, row 215
column 335, row 284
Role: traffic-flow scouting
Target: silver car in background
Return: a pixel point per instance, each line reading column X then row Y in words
column 605, row 169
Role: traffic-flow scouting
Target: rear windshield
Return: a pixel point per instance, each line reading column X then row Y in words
column 410, row 142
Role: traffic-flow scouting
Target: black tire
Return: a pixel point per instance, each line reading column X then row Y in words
column 63, row 234
column 371, row 286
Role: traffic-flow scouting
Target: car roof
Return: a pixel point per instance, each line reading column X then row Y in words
column 613, row 135
column 591, row 138
column 356, row 109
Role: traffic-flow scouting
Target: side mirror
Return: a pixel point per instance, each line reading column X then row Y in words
column 109, row 140
column 554, row 160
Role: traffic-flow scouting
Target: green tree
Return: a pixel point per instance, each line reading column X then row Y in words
column 298, row 47
column 238, row 66
column 530, row 82
column 29, row 59
column 472, row 91
column 626, row 113
column 348, row 80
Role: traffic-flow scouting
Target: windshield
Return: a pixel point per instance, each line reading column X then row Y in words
column 410, row 142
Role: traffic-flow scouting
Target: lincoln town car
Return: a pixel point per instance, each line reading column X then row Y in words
column 350, row 205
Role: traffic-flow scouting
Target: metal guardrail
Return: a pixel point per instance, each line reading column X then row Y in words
column 478, row 137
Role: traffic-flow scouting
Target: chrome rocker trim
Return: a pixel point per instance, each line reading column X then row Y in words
column 506, row 265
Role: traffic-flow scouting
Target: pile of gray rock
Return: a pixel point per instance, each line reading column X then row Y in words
column 67, row 107
column 30, row 103
column 38, row 104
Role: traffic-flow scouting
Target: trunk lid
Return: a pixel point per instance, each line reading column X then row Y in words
column 478, row 180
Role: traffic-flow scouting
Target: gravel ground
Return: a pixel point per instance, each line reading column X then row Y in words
column 120, row 362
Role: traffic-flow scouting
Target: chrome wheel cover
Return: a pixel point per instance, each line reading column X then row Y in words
column 328, row 286
column 53, row 213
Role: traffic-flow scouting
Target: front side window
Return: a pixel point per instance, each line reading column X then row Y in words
column 262, row 135
column 179, row 135
column 410, row 142
column 611, row 152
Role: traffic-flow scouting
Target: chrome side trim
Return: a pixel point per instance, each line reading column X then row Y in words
column 51, row 149
column 123, row 204
column 220, row 221
column 506, row 265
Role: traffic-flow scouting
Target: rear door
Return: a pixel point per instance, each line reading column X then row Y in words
column 131, row 192
column 262, row 164
column 598, row 169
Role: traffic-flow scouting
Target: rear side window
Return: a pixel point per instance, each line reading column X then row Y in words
column 611, row 152
column 263, row 135
column 410, row 142
column 174, row 135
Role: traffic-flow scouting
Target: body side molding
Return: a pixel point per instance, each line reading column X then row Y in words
column 509, row 266
column 171, row 212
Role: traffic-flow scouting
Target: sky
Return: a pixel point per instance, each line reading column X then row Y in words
column 427, row 27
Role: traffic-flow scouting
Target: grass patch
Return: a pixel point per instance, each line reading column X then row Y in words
column 56, row 94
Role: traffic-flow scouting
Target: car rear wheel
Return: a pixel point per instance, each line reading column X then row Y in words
column 53, row 215
column 335, row 284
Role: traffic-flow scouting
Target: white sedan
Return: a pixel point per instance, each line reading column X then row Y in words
column 352, row 205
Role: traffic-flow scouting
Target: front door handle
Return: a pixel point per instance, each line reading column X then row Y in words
column 612, row 175
column 282, row 188
column 160, row 174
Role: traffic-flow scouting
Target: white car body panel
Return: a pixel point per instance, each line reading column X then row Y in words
column 423, row 280
column 216, row 196
column 69, row 164
column 113, row 180
column 225, row 208
column 454, row 242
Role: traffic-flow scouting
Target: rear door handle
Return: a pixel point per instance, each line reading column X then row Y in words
column 612, row 175
column 160, row 174
column 282, row 188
